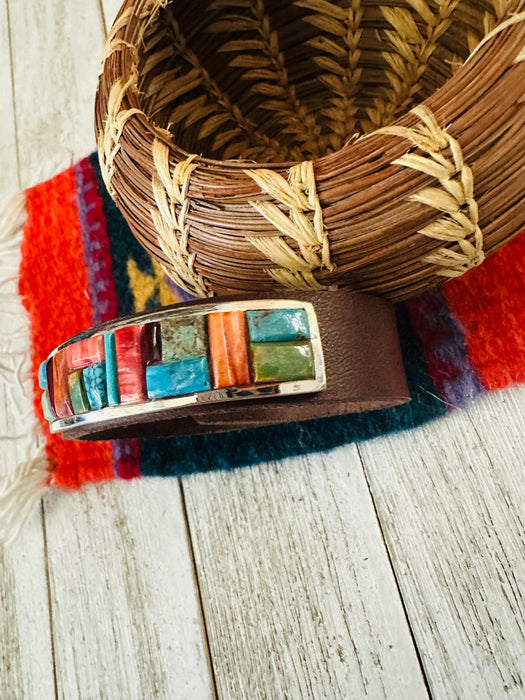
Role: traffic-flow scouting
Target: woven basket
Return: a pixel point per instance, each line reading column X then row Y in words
column 369, row 144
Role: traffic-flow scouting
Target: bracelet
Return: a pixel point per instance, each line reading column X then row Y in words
column 216, row 365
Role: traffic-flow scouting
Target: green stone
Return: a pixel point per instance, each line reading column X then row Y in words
column 77, row 393
column 183, row 338
column 282, row 362
column 46, row 407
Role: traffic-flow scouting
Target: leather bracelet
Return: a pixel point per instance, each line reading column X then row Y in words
column 218, row 365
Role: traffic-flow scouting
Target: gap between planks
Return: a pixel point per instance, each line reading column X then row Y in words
column 198, row 589
column 394, row 572
column 451, row 508
column 49, row 601
column 297, row 589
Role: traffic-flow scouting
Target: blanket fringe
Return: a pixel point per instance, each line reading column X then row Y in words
column 23, row 483
column 20, row 492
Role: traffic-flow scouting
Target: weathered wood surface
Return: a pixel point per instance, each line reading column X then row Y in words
column 452, row 507
column 9, row 178
column 126, row 616
column 26, row 663
column 123, row 617
column 299, row 596
column 55, row 49
column 395, row 569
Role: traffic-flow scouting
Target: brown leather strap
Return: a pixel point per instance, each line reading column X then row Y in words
column 364, row 372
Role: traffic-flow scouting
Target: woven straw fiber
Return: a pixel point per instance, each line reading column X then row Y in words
column 370, row 144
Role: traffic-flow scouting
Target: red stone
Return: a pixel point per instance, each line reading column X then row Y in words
column 131, row 353
column 85, row 352
column 61, row 402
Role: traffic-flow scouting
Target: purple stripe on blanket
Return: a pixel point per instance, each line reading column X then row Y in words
column 443, row 339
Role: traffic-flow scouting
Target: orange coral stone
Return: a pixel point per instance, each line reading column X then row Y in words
column 228, row 348
column 61, row 400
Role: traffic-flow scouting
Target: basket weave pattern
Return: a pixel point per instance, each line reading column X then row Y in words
column 313, row 144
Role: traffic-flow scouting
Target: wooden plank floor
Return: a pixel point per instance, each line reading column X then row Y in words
column 391, row 569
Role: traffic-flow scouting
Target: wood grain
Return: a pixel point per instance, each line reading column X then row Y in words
column 26, row 663
column 56, row 49
column 297, row 590
column 126, row 616
column 8, row 155
column 451, row 500
column 26, row 653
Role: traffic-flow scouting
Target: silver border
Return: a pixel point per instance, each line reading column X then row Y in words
column 111, row 414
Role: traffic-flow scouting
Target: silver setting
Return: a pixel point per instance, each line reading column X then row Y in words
column 113, row 414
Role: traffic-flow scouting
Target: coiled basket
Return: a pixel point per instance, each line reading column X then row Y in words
column 371, row 144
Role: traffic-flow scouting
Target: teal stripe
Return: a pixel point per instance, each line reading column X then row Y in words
column 111, row 369
column 46, row 407
column 42, row 375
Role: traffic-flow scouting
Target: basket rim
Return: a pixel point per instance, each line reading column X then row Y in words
column 147, row 11
column 134, row 18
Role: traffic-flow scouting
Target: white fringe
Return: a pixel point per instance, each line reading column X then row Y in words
column 20, row 492
column 24, row 470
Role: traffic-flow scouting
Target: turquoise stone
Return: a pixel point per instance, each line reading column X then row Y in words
column 77, row 393
column 42, row 375
column 95, row 383
column 111, row 369
column 282, row 362
column 46, row 407
column 177, row 378
column 278, row 325
column 183, row 338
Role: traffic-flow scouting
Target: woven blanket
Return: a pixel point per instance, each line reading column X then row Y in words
column 80, row 265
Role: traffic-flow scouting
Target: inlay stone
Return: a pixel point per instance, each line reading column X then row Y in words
column 282, row 362
column 85, row 352
column 228, row 349
column 46, row 407
column 42, row 376
column 183, row 338
column 178, row 378
column 153, row 343
column 95, row 383
column 278, row 325
column 111, row 369
column 130, row 347
column 77, row 393
column 60, row 394
column 50, row 388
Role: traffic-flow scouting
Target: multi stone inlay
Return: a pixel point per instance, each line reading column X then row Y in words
column 184, row 354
